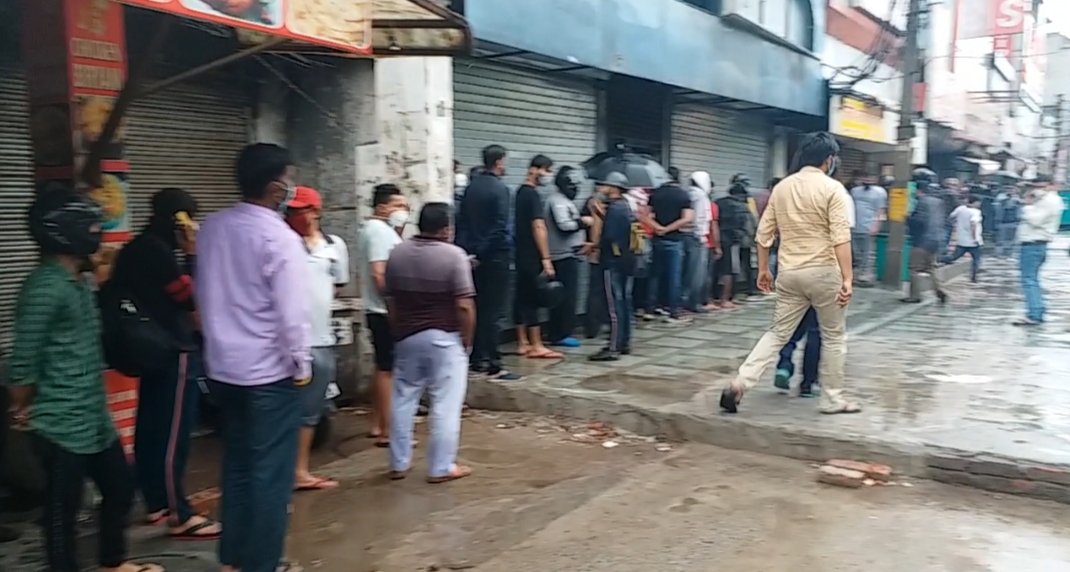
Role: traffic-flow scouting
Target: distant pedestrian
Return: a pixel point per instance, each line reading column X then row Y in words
column 532, row 260
column 810, row 329
column 565, row 231
column 696, row 249
column 737, row 235
column 429, row 293
column 871, row 208
column 482, row 229
column 597, row 314
column 670, row 213
column 926, row 227
column 968, row 223
column 809, row 213
column 619, row 261
column 1008, row 211
column 1041, row 217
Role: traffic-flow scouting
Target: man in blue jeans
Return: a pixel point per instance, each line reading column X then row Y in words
column 670, row 211
column 1041, row 216
column 785, row 368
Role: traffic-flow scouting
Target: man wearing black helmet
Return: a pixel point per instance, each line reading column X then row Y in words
column 565, row 228
column 57, row 375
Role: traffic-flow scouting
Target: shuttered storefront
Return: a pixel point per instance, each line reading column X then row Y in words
column 851, row 161
column 721, row 142
column 17, row 250
column 188, row 137
column 528, row 113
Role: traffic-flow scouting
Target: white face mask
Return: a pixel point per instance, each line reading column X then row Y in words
column 398, row 218
column 460, row 180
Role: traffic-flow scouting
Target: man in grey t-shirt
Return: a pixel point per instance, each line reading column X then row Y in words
column 871, row 206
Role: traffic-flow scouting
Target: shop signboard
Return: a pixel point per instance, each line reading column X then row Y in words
column 858, row 119
column 340, row 24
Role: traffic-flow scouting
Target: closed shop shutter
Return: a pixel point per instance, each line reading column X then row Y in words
column 17, row 250
column 721, row 142
column 851, row 161
column 187, row 136
column 527, row 113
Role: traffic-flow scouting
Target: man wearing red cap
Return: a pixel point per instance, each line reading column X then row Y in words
column 328, row 270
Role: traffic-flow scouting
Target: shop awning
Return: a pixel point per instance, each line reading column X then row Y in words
column 339, row 27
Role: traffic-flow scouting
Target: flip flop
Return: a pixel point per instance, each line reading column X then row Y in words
column 287, row 566
column 147, row 567
column 457, row 472
column 1025, row 322
column 398, row 475
column 385, row 444
column 843, row 409
column 164, row 515
column 317, row 484
column 548, row 354
column 191, row 533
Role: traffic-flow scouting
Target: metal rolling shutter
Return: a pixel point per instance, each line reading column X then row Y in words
column 851, row 161
column 17, row 250
column 527, row 113
column 720, row 142
column 187, row 136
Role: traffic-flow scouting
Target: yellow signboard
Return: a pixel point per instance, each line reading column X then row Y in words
column 857, row 119
column 898, row 204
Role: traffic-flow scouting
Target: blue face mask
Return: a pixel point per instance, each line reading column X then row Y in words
column 291, row 192
column 835, row 164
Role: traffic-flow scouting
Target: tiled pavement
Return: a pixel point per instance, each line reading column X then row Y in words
column 950, row 392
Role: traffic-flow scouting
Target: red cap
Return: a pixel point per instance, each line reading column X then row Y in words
column 306, row 197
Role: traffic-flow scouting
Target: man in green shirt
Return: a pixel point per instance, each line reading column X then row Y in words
column 57, row 375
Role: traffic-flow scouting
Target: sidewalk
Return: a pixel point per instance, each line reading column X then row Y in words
column 950, row 393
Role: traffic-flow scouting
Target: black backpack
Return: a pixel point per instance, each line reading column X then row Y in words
column 133, row 342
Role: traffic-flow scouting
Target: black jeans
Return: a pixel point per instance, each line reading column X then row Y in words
column 167, row 410
column 66, row 473
column 260, row 426
column 563, row 317
column 491, row 278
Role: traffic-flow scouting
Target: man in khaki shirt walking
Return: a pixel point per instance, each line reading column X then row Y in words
column 809, row 212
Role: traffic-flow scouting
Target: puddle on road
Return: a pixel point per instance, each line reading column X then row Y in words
column 960, row 378
column 658, row 388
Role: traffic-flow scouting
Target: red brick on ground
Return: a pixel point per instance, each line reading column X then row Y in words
column 840, row 477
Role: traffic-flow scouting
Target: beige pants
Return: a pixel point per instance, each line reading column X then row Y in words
column 797, row 290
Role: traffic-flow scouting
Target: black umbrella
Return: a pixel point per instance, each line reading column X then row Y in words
column 641, row 170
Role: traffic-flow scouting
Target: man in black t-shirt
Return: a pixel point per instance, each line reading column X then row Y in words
column 670, row 210
column 148, row 269
column 532, row 259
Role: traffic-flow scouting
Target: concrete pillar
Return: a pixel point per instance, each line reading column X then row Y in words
column 414, row 104
column 778, row 156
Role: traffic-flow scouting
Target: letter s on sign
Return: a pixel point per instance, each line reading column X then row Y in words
column 1010, row 15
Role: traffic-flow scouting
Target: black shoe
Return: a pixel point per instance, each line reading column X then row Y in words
column 807, row 391
column 605, row 354
column 626, row 351
column 730, row 400
column 911, row 300
column 941, row 297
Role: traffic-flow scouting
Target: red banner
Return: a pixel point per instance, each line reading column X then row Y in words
column 341, row 24
column 1007, row 17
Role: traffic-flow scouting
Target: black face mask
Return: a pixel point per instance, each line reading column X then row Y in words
column 569, row 192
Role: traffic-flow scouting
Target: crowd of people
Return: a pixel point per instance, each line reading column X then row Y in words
column 247, row 298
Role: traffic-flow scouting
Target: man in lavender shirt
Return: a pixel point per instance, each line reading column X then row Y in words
column 250, row 291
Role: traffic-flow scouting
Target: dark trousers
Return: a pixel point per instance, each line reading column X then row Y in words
column 975, row 258
column 618, row 296
column 596, row 303
column 260, row 426
column 66, row 473
column 526, row 295
column 166, row 413
column 810, row 329
column 563, row 316
column 490, row 278
column 666, row 275
column 640, row 289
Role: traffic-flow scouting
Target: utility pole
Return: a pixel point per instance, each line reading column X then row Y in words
column 899, row 197
column 1058, row 170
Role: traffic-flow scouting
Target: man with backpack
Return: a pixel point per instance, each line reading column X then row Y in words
column 620, row 251
column 737, row 237
column 149, row 272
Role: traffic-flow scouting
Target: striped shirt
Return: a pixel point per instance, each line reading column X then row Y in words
column 424, row 279
column 808, row 211
column 57, row 351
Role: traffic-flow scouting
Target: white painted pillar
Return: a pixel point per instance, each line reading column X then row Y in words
column 414, row 127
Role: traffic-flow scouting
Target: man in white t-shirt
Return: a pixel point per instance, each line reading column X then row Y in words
column 1041, row 217
column 967, row 221
column 380, row 234
column 328, row 270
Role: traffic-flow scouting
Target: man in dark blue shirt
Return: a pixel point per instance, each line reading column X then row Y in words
column 482, row 230
column 618, row 261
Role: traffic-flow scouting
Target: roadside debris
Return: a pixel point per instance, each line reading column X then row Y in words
column 855, row 474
